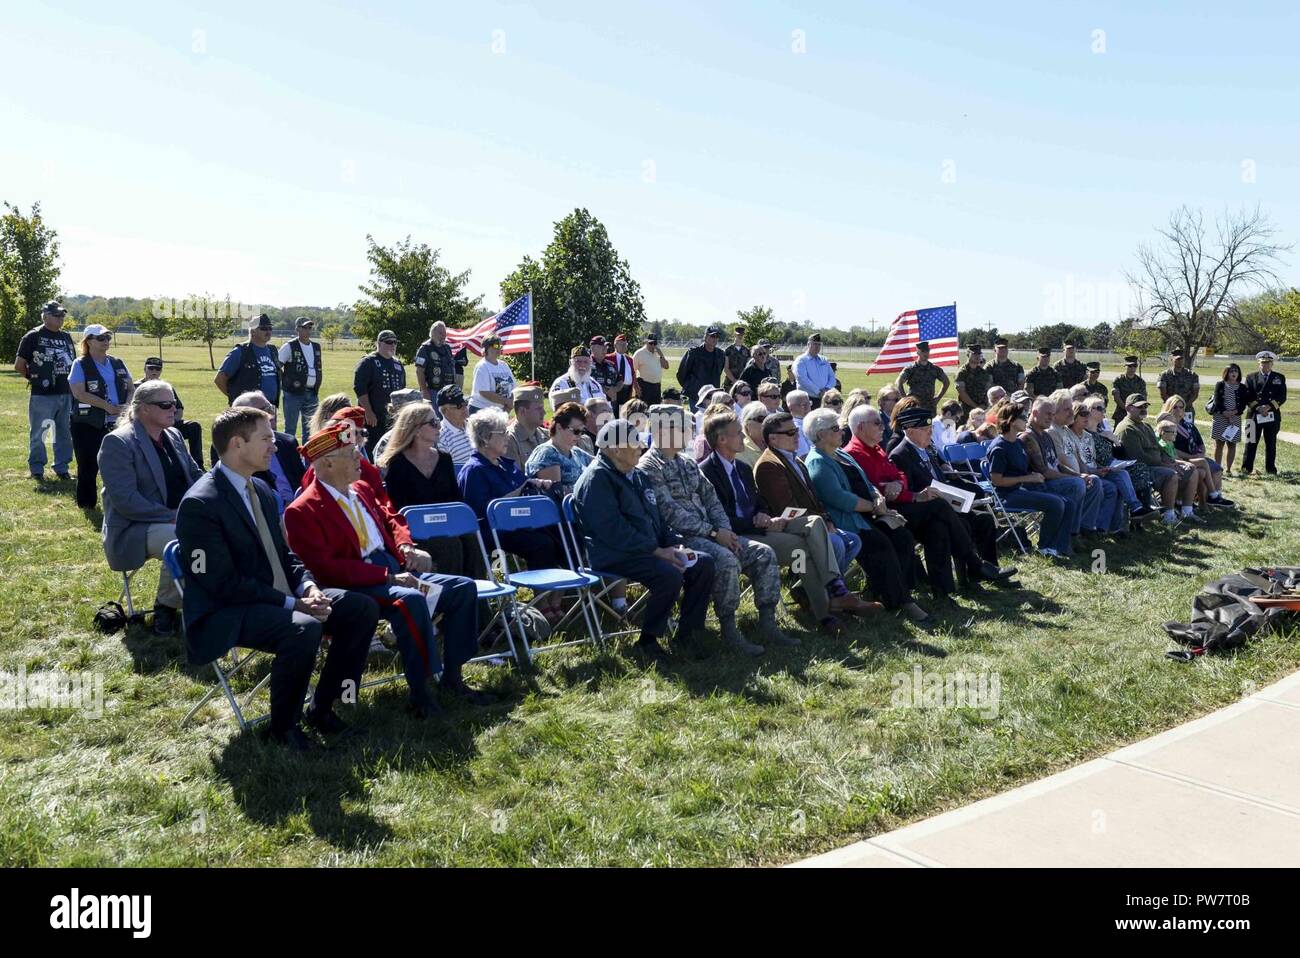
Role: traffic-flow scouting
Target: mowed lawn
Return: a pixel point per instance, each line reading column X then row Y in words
column 593, row 760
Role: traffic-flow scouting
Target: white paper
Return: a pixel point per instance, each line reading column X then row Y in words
column 1122, row 463
column 1264, row 417
column 959, row 499
column 792, row 513
column 1231, row 433
column 432, row 592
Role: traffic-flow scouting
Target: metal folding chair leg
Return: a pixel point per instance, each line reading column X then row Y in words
column 125, row 597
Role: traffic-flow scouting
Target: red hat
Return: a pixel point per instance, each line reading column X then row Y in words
column 336, row 434
column 354, row 413
column 620, row 336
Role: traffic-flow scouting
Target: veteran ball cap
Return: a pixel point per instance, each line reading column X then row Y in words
column 386, row 336
column 914, row 418
column 1020, row 397
column 260, row 321
column 1136, row 399
column 526, row 393
column 53, row 308
column 815, row 338
column 578, row 351
column 153, row 362
column 616, row 434
column 451, row 396
column 712, row 331
column 304, row 322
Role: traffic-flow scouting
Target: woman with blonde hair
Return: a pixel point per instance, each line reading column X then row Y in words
column 417, row 473
column 326, row 409
column 1190, row 447
column 887, row 398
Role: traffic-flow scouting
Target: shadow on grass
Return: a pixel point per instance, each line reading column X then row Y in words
column 272, row 785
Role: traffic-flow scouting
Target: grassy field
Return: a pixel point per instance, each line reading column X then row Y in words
column 593, row 760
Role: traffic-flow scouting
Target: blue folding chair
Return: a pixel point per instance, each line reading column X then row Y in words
column 448, row 520
column 1005, row 515
column 540, row 512
column 608, row 580
column 172, row 560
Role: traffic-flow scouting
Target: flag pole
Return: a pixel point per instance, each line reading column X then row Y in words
column 532, row 333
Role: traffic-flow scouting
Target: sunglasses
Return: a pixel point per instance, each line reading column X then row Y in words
column 432, row 422
column 785, row 432
column 106, row 338
column 835, row 405
column 165, row 404
column 743, row 392
column 388, row 342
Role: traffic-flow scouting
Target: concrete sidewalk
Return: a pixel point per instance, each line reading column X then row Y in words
column 1223, row 790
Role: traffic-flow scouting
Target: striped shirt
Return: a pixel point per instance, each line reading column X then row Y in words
column 455, row 443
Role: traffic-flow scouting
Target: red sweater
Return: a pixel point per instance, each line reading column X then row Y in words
column 878, row 467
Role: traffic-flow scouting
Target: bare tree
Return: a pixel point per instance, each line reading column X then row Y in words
column 1187, row 283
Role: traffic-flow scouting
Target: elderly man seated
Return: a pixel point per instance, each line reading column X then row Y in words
column 803, row 540
column 146, row 471
column 626, row 534
column 1169, row 477
column 688, row 504
column 350, row 540
column 906, row 478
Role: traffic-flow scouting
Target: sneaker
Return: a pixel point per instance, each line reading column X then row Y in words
column 1170, row 519
column 1193, row 517
column 1143, row 514
column 1222, row 503
column 377, row 647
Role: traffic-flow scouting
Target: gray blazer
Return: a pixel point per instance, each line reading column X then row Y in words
column 135, row 492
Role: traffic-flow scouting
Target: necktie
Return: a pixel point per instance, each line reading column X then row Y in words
column 353, row 509
column 742, row 497
column 264, row 534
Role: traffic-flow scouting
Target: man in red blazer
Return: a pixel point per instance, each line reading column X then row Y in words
column 347, row 535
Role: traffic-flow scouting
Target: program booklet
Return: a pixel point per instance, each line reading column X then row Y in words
column 959, row 499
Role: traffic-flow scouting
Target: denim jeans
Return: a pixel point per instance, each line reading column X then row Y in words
column 1054, row 533
column 300, row 404
column 1123, row 484
column 847, row 545
column 1072, row 491
column 43, row 409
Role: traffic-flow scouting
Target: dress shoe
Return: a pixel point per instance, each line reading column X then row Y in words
column 650, row 651
column 993, row 573
column 854, row 604
column 63, row 476
column 424, row 709
column 164, row 620
column 327, row 723
column 295, row 740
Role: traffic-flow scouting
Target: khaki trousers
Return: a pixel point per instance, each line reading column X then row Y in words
column 805, row 545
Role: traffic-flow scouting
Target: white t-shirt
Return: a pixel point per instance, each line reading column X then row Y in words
column 308, row 353
column 490, row 378
column 587, row 390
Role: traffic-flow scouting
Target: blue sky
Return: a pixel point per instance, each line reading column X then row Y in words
column 837, row 161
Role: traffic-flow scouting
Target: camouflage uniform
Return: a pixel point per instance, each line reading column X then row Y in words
column 1042, row 382
column 1099, row 389
column 918, row 379
column 1007, row 374
column 690, row 506
column 1182, row 382
column 1071, row 373
column 976, row 380
column 1125, row 386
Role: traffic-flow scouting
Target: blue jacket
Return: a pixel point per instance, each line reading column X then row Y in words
column 832, row 488
column 618, row 513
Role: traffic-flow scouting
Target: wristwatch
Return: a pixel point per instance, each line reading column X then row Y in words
column 713, row 534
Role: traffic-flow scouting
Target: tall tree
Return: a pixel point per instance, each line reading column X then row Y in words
column 1188, row 282
column 206, row 320
column 760, row 323
column 408, row 292
column 580, row 288
column 29, row 273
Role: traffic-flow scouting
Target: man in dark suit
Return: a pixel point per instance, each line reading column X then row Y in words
column 243, row 587
column 807, row 536
column 284, row 475
column 916, row 459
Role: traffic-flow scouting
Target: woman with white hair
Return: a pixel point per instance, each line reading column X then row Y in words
column 751, row 424
column 889, row 560
column 490, row 474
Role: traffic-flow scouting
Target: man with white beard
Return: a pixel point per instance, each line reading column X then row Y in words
column 578, row 377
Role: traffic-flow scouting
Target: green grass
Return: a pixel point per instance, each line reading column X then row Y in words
column 592, row 760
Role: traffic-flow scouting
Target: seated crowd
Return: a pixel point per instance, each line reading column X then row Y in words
column 283, row 544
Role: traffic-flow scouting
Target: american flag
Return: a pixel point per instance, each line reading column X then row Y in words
column 936, row 326
column 514, row 325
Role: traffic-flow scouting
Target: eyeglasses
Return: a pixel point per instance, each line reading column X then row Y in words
column 494, row 433
column 835, row 405
column 165, row 404
column 785, row 432
column 576, row 430
column 743, row 392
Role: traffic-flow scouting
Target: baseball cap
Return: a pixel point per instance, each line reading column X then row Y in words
column 260, row 321
column 386, row 336
column 914, row 417
column 596, row 341
column 153, row 362
column 712, row 331
column 451, row 396
column 304, row 322
column 403, row 397
column 578, row 351
column 1020, row 397
column 54, row 308
column 1136, row 399
column 94, row 329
